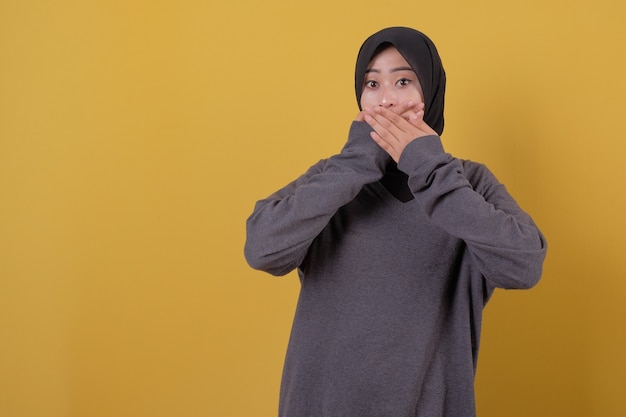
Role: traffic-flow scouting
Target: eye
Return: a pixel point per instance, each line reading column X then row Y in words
column 371, row 84
column 404, row 81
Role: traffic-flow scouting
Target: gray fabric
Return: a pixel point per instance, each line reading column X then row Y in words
column 389, row 315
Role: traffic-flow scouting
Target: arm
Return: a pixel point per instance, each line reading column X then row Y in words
column 282, row 226
column 470, row 204
column 467, row 201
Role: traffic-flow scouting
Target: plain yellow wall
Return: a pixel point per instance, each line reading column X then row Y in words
column 135, row 137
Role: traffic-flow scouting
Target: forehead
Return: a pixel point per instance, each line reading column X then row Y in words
column 389, row 57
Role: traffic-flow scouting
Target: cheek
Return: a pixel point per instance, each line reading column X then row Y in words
column 414, row 95
column 368, row 99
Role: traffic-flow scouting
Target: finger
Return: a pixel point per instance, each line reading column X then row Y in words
column 423, row 126
column 394, row 128
column 381, row 142
column 391, row 121
column 416, row 119
column 404, row 107
column 387, row 135
column 376, row 125
column 383, row 137
column 390, row 147
column 379, row 122
column 407, row 109
column 414, row 112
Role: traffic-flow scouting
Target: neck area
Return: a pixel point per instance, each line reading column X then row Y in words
column 396, row 183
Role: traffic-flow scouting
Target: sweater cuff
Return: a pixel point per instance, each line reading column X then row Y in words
column 418, row 152
column 360, row 129
column 360, row 144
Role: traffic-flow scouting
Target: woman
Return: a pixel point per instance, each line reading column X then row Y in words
column 398, row 246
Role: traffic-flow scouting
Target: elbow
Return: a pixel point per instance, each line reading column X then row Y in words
column 535, row 271
column 260, row 261
column 252, row 256
column 529, row 280
column 535, row 266
column 271, row 252
column 516, row 278
column 525, row 272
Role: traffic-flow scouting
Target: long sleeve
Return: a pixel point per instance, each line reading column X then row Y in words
column 467, row 201
column 282, row 226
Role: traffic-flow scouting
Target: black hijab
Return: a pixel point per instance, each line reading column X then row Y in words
column 421, row 54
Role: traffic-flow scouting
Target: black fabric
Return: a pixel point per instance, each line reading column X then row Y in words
column 421, row 54
column 396, row 183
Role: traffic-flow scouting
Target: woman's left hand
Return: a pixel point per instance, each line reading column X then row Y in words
column 393, row 132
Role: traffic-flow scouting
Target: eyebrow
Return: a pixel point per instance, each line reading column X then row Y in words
column 392, row 70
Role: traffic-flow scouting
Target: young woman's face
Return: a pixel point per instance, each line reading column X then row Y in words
column 389, row 81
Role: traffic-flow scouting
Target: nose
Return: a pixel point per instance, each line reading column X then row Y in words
column 388, row 98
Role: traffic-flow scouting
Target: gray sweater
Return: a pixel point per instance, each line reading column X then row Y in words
column 389, row 315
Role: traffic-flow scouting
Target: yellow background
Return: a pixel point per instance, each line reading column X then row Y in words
column 135, row 137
